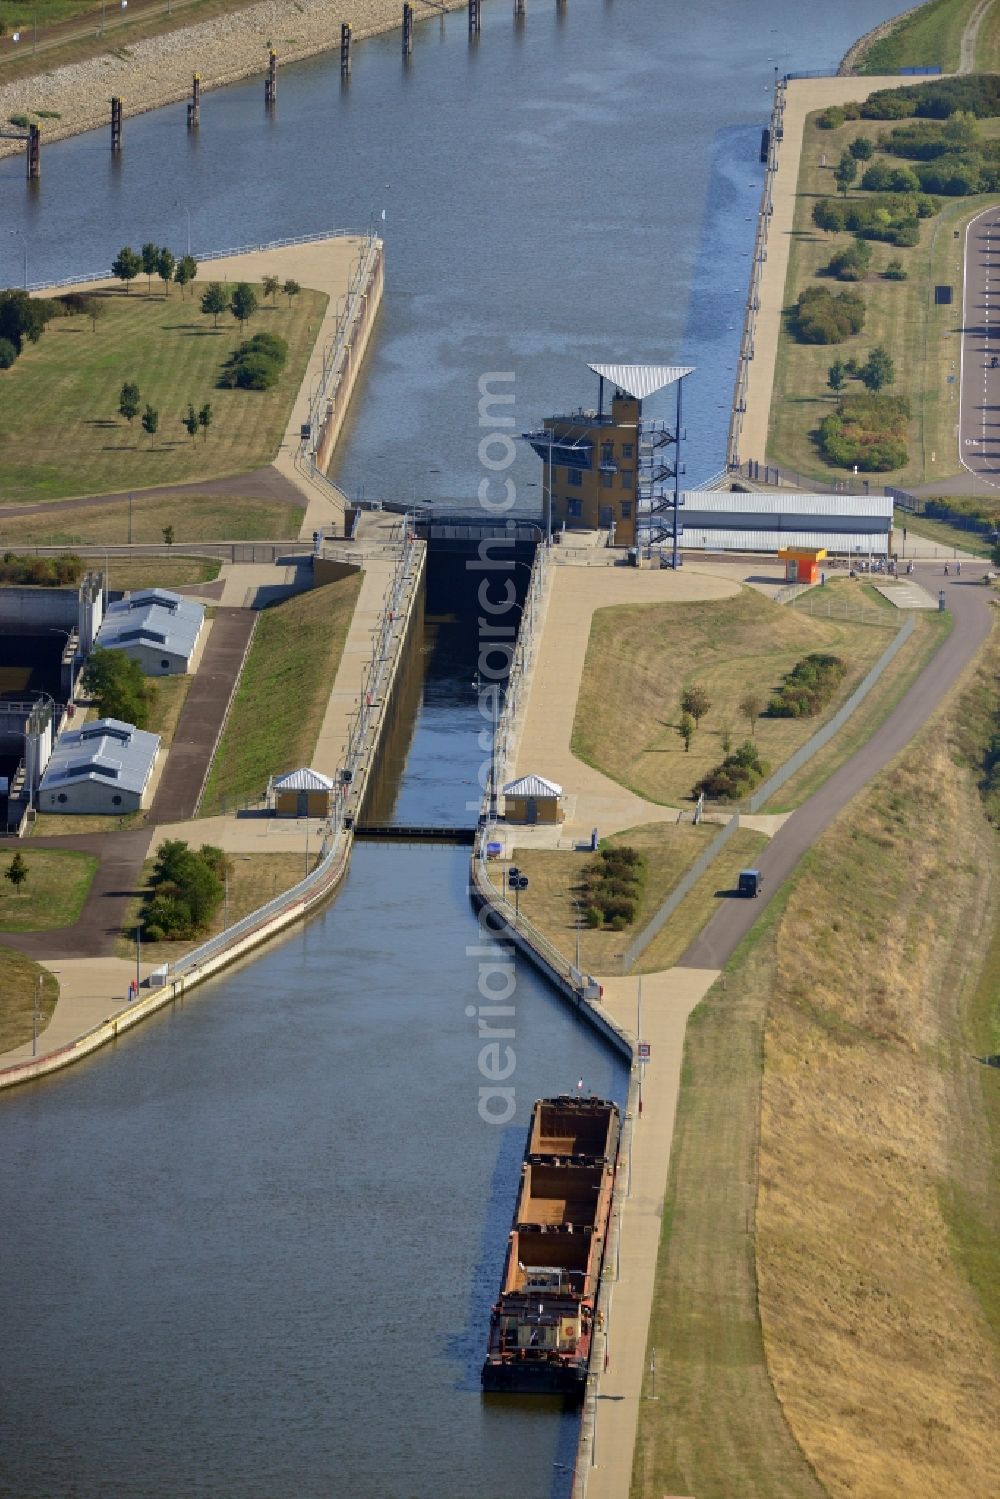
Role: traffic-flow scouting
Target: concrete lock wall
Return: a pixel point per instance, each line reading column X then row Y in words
column 28, row 611
column 352, row 356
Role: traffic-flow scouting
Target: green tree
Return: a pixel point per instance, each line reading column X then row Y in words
column 150, row 262
column 150, row 420
column 879, row 370
column 186, row 271
column 205, row 419
column 117, row 685
column 96, row 310
column 243, row 303
column 686, row 729
column 128, row 401
column 271, row 287
column 291, row 289
column 695, row 701
column 751, row 706
column 23, row 317
column 845, row 172
column 836, row 375
column 168, row 536
column 165, row 267
column 190, row 421
column 8, row 353
column 126, row 266
column 214, row 300
column 861, row 148
column 17, row 872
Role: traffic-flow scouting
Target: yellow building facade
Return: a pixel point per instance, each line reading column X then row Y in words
column 593, row 474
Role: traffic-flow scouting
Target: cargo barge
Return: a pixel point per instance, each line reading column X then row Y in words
column 542, row 1326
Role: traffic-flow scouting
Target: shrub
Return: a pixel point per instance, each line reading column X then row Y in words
column 735, row 777
column 47, row 571
column 256, row 364
column 875, row 216
column 882, row 177
column 822, row 318
column 808, row 687
column 867, row 430
column 831, row 118
column 612, row 885
column 894, row 271
column 187, row 890
column 8, row 353
column 851, row 263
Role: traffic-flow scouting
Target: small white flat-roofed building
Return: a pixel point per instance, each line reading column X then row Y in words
column 849, row 525
column 105, row 767
column 156, row 628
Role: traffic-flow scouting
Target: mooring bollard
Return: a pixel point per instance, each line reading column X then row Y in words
column 345, row 49
column 518, row 10
column 34, row 153
column 271, row 81
column 473, row 17
column 407, row 30
column 116, row 123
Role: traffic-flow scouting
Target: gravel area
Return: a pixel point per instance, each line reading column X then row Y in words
column 158, row 71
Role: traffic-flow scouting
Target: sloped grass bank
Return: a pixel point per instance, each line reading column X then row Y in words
column 283, row 693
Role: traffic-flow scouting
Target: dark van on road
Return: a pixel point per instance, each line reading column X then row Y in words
column 750, row 882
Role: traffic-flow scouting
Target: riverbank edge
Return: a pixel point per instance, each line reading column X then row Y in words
column 274, row 925
column 858, row 51
column 139, row 97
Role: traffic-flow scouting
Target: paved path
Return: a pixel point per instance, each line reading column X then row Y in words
column 970, row 36
column 120, row 858
column 972, row 608
column 979, row 396
column 668, row 998
column 202, row 717
column 544, row 745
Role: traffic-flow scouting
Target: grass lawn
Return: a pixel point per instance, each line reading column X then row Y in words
column 848, row 1263
column 19, row 991
column 923, row 339
column 209, row 517
column 641, row 656
column 715, row 1428
column 131, row 573
column 554, row 881
column 68, row 384
column 875, row 1143
column 52, row 895
column 283, row 693
column 944, row 534
column 931, row 35
column 909, row 661
column 254, row 879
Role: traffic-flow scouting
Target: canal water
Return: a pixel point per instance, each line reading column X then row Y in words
column 251, row 1250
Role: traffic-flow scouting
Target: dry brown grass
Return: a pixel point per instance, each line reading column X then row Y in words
column 194, row 517
column 717, row 883
column 640, row 657
column 554, row 880
column 19, row 992
column 872, row 1130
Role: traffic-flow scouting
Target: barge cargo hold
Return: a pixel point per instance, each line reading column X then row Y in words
column 542, row 1326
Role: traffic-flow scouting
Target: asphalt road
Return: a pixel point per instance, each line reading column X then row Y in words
column 979, row 395
column 971, row 605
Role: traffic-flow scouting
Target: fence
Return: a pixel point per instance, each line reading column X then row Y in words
column 209, row 255
column 337, row 351
column 753, row 296
column 822, row 606
column 332, row 855
column 826, row 733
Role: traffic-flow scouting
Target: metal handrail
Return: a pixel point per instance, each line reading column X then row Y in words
column 331, row 848
column 272, row 244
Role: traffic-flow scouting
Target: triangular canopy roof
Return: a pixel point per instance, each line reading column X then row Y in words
column 532, row 786
column 303, row 780
column 641, row 380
